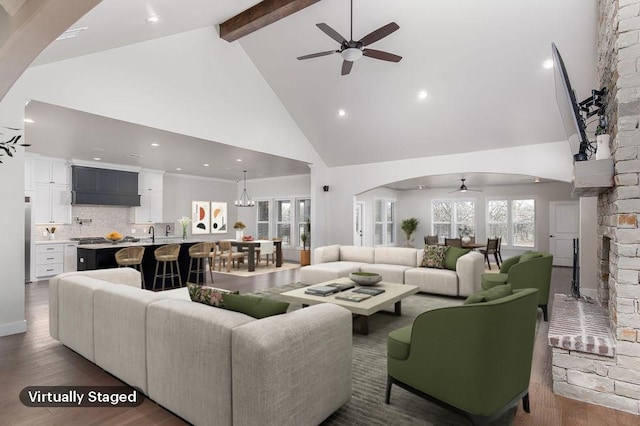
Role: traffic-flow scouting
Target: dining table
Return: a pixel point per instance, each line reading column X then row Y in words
column 251, row 246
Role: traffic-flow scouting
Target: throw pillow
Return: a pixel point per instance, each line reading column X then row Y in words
column 254, row 306
column 434, row 256
column 452, row 256
column 526, row 256
column 493, row 293
column 208, row 295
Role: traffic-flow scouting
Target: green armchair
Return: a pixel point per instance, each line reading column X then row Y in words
column 529, row 270
column 474, row 359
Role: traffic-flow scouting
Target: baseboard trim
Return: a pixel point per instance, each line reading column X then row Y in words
column 13, row 328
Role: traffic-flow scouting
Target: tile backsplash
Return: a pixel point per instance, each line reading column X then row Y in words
column 104, row 219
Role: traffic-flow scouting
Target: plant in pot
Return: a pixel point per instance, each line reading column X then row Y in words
column 305, row 253
column 409, row 226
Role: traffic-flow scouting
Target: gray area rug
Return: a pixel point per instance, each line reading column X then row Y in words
column 367, row 406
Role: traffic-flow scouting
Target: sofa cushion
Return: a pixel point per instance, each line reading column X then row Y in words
column 326, row 254
column 527, row 256
column 431, row 280
column 389, row 273
column 493, row 293
column 396, row 256
column 314, row 274
column 434, row 256
column 208, row 295
column 399, row 343
column 452, row 255
column 254, row 306
column 357, row 254
column 491, row 280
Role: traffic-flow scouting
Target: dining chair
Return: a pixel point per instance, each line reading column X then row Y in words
column 453, row 242
column 431, row 240
column 228, row 255
column 267, row 250
column 500, row 248
column 492, row 248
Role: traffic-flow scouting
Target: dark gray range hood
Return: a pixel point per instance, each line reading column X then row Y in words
column 90, row 185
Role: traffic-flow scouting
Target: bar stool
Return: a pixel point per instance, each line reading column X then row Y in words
column 167, row 254
column 201, row 252
column 131, row 257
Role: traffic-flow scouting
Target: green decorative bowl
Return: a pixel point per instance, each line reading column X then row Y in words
column 365, row 278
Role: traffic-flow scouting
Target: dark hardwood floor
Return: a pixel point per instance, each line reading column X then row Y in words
column 34, row 358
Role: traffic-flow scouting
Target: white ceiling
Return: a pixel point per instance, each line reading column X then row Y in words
column 481, row 63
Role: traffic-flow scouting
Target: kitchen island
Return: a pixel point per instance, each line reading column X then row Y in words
column 102, row 256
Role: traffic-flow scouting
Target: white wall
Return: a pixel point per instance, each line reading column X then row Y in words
column 418, row 204
column 180, row 190
column 12, row 319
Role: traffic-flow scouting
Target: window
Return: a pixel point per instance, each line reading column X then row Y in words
column 283, row 220
column 303, row 213
column 263, row 220
column 513, row 220
column 384, row 219
column 453, row 218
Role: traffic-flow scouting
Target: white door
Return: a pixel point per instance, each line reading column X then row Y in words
column 564, row 226
column 358, row 225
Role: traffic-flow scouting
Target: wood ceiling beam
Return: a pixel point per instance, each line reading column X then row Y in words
column 259, row 16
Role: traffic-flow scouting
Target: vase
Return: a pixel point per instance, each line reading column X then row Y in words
column 52, row 236
column 603, row 151
column 184, row 232
column 239, row 234
column 466, row 239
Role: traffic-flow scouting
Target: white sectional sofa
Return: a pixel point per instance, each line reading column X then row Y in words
column 397, row 265
column 208, row 365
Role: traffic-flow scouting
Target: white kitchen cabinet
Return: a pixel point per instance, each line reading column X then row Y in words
column 51, row 171
column 52, row 203
column 151, row 197
column 49, row 260
column 50, row 180
column 70, row 262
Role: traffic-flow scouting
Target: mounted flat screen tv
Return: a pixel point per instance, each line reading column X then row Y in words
column 569, row 109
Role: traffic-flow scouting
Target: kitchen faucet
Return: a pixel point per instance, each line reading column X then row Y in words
column 166, row 230
column 152, row 231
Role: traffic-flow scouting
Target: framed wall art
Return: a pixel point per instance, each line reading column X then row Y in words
column 200, row 217
column 219, row 221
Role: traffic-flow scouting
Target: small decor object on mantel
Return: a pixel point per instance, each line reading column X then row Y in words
column 239, row 227
column 184, row 222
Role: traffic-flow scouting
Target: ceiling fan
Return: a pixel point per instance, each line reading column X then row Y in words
column 354, row 50
column 463, row 188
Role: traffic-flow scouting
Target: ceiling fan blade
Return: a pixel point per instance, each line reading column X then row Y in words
column 379, row 33
column 379, row 54
column 331, row 33
column 315, row 55
column 346, row 67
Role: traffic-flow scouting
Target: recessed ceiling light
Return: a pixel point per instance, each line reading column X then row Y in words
column 28, row 120
column 97, row 158
column 178, row 168
column 238, row 159
column 206, row 164
column 153, row 18
column 548, row 64
column 342, row 112
column 536, row 180
column 422, row 94
column 155, row 144
column 71, row 33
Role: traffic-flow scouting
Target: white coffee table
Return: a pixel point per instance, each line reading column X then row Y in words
column 393, row 295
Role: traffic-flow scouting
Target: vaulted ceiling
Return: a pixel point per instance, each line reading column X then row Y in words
column 479, row 62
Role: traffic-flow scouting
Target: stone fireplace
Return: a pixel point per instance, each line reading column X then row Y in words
column 585, row 366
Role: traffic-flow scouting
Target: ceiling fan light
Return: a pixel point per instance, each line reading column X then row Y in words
column 351, row 54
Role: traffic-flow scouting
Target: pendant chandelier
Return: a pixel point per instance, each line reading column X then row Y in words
column 245, row 200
